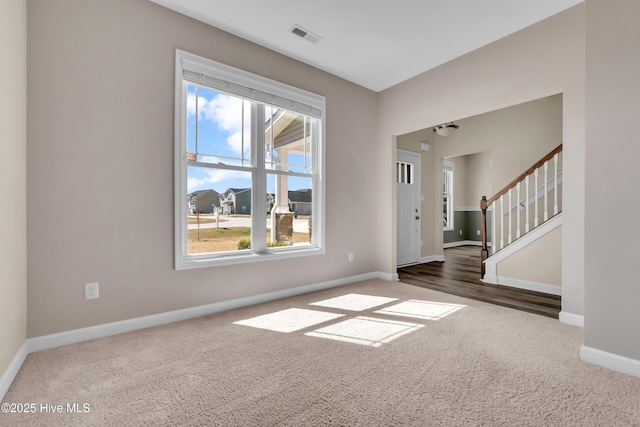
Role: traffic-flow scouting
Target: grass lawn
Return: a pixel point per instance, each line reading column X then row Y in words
column 226, row 239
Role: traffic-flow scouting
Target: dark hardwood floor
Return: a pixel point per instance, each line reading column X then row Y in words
column 459, row 275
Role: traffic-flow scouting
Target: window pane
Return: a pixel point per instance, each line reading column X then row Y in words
column 447, row 198
column 191, row 119
column 219, row 210
column 291, row 210
column 288, row 140
column 445, row 211
column 218, row 127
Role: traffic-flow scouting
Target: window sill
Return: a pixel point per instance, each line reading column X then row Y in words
column 192, row 262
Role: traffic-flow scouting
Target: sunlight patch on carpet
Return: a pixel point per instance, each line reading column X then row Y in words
column 428, row 310
column 289, row 320
column 366, row 331
column 354, row 302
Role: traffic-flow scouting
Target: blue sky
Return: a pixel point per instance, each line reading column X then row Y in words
column 223, row 135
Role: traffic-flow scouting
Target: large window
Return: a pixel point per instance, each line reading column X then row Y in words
column 254, row 147
column 447, row 196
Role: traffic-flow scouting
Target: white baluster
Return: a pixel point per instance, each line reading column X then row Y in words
column 526, row 206
column 555, row 184
column 509, row 225
column 546, row 211
column 502, row 221
column 518, row 210
column 535, row 207
column 494, row 240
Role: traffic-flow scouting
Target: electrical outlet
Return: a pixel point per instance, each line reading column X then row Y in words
column 350, row 256
column 478, row 232
column 91, row 290
column 461, row 232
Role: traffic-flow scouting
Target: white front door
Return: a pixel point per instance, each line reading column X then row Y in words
column 408, row 215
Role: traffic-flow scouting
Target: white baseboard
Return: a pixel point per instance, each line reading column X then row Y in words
column 523, row 284
column 462, row 243
column 424, row 259
column 571, row 319
column 469, row 209
column 431, row 258
column 12, row 370
column 610, row 360
column 46, row 342
column 114, row 328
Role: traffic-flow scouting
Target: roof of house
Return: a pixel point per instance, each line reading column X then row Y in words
column 237, row 190
column 200, row 192
column 300, row 196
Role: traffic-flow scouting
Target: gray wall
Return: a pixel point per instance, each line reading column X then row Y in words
column 612, row 293
column 87, row 58
column 205, row 201
column 488, row 151
column 243, row 203
column 100, row 120
column 544, row 59
column 13, row 180
column 469, row 222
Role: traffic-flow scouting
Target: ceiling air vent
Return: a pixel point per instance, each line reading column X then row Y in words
column 305, row 34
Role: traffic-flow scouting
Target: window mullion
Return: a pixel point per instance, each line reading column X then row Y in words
column 259, row 187
column 197, row 124
column 316, row 186
column 181, row 232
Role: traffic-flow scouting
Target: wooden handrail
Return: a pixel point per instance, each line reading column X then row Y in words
column 523, row 175
column 485, row 203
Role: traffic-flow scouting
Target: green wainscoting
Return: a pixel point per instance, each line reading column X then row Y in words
column 467, row 221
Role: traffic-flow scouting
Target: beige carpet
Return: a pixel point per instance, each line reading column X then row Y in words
column 409, row 356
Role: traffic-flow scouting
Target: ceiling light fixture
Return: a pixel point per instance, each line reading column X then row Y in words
column 445, row 129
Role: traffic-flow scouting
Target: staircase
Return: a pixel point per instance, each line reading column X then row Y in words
column 524, row 205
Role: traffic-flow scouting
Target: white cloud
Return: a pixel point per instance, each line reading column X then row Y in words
column 207, row 178
column 225, row 112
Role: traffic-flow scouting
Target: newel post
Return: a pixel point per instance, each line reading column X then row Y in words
column 484, row 253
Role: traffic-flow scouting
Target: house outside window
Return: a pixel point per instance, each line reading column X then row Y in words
column 254, row 141
column 447, row 196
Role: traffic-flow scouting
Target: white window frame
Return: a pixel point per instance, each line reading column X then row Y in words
column 448, row 167
column 190, row 68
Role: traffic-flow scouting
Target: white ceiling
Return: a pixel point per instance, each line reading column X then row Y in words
column 374, row 43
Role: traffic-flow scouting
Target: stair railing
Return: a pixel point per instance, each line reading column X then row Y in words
column 521, row 208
